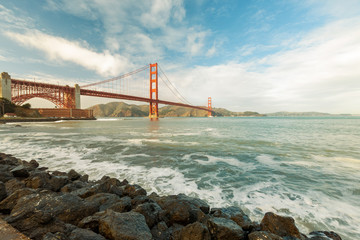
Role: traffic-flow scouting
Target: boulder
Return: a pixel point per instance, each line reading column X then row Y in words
column 182, row 209
column 4, row 174
column 59, row 173
column 38, row 179
column 84, row 178
column 33, row 163
column 324, row 235
column 55, row 236
column 109, row 185
column 39, row 209
column 140, row 200
column 3, row 193
column 20, row 172
column 92, row 222
column 195, row 231
column 160, row 231
column 7, row 159
column 73, row 175
column 129, row 225
column 9, row 202
column 75, row 185
column 151, row 212
column 57, row 182
column 262, row 235
column 55, row 226
column 235, row 214
column 175, row 231
column 279, row 225
column 84, row 234
column 103, row 200
column 134, row 190
column 13, row 185
column 123, row 205
column 222, row 228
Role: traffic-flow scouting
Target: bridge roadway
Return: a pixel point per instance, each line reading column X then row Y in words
column 94, row 93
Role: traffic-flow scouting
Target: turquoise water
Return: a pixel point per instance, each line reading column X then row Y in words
column 308, row 168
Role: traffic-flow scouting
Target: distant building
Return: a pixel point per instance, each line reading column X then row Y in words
column 10, row 115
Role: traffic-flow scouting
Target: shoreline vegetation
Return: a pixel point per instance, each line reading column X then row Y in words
column 45, row 205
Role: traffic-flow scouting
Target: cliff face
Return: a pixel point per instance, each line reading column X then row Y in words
column 121, row 109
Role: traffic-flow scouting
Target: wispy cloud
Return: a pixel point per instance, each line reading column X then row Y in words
column 130, row 24
column 60, row 49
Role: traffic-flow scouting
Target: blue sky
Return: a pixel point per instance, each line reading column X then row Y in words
column 262, row 55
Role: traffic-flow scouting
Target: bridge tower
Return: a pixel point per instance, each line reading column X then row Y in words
column 209, row 107
column 154, row 93
column 5, row 86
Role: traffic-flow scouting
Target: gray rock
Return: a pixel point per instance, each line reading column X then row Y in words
column 222, row 228
column 324, row 235
column 235, row 214
column 134, row 190
column 182, row 209
column 73, row 175
column 54, row 236
column 57, row 182
column 75, row 185
column 91, row 222
column 7, row 204
column 38, row 179
column 13, row 185
column 151, row 212
column 20, row 171
column 39, row 209
column 103, row 200
column 262, row 235
column 123, row 205
column 84, row 234
column 129, row 225
column 3, row 193
column 160, row 231
column 195, row 231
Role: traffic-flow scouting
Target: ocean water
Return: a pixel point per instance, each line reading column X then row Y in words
column 307, row 168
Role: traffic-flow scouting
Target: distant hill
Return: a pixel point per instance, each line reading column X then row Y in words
column 121, row 109
column 303, row 114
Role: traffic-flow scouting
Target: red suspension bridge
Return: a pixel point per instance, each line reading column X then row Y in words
column 19, row 91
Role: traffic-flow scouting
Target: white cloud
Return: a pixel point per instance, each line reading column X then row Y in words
column 321, row 73
column 58, row 48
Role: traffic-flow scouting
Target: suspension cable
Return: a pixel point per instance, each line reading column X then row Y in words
column 117, row 78
column 181, row 98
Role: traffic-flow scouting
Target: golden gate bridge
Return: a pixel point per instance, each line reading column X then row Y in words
column 66, row 97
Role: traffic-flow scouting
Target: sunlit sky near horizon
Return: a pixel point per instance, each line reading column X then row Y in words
column 259, row 55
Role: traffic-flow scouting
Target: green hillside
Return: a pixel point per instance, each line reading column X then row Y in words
column 121, row 109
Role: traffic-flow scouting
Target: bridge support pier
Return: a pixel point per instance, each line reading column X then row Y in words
column 5, row 86
column 209, row 107
column 154, row 93
column 77, row 97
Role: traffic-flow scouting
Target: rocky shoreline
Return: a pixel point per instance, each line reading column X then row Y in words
column 58, row 205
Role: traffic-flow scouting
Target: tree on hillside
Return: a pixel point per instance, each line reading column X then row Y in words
column 6, row 106
column 26, row 106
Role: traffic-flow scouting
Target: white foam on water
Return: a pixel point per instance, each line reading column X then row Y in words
column 213, row 160
column 266, row 160
column 311, row 210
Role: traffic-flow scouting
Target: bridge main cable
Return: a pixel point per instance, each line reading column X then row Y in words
column 117, row 78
